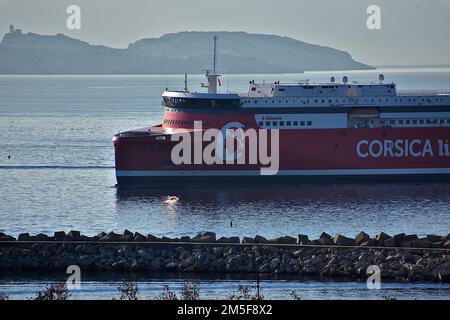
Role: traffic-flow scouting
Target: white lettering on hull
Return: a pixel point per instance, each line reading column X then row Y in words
column 401, row 148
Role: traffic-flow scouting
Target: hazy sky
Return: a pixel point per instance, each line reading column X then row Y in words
column 413, row 31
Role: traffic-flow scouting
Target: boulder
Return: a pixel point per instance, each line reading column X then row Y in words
column 138, row 237
column 285, row 240
column 381, row 237
column 86, row 238
column 41, row 237
column 406, row 244
column 399, row 238
column 390, row 242
column 443, row 272
column 217, row 251
column 325, row 239
column 422, row 243
column 73, row 236
column 229, row 240
column 369, row 243
column 303, row 239
column 99, row 236
column 411, row 237
column 111, row 237
column 24, row 237
column 59, row 236
column 341, row 240
column 361, row 238
column 434, row 238
column 5, row 237
column 438, row 244
column 297, row 253
column 127, row 235
column 151, row 238
column 248, row 240
column 205, row 237
column 260, row 239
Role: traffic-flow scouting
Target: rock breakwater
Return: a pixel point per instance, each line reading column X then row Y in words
column 400, row 257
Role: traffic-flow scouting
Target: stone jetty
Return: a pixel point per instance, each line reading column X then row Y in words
column 400, row 257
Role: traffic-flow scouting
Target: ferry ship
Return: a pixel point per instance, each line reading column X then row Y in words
column 334, row 130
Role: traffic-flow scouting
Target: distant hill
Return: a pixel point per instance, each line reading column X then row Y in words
column 191, row 52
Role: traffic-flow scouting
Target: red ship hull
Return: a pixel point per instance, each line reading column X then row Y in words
column 304, row 155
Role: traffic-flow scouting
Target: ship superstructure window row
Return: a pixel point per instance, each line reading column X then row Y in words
column 417, row 122
column 290, row 124
column 332, row 101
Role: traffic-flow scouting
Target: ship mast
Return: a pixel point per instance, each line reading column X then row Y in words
column 212, row 78
column 215, row 55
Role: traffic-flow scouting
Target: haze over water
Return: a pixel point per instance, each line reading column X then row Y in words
column 60, row 176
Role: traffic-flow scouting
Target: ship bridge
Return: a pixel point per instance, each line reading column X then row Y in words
column 195, row 100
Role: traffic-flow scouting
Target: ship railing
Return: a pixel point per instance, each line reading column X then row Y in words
column 423, row 92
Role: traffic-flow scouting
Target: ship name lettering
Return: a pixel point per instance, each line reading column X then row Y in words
column 400, row 148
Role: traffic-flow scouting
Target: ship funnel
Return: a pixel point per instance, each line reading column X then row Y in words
column 381, row 78
column 345, row 79
column 332, row 79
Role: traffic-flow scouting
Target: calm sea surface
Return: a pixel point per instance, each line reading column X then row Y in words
column 60, row 175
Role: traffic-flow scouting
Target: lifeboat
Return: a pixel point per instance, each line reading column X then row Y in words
column 363, row 113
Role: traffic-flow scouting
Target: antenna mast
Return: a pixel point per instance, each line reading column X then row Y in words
column 213, row 78
column 215, row 55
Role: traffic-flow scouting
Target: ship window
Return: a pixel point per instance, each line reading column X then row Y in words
column 428, row 121
column 296, row 122
column 392, row 121
column 288, row 123
column 302, row 123
column 275, row 123
column 414, row 121
column 422, row 121
column 267, row 123
column 408, row 121
column 448, row 120
column 260, row 123
column 400, row 121
column 253, row 89
column 281, row 123
column 309, row 123
column 442, row 121
column 281, row 90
